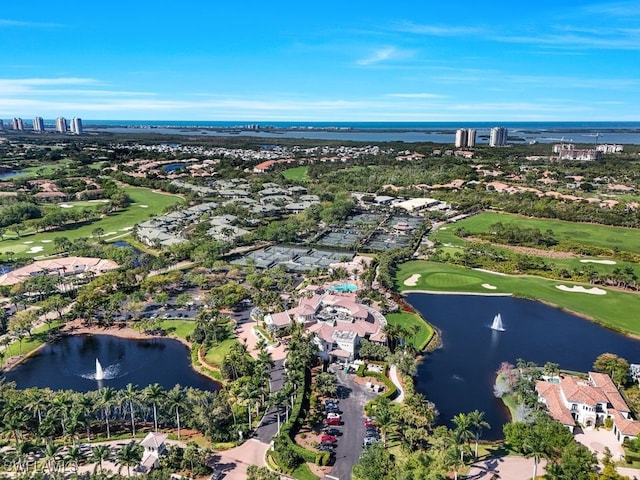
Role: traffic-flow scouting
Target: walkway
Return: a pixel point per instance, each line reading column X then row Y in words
column 234, row 462
column 393, row 376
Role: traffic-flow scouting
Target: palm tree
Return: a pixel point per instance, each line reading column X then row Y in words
column 154, row 393
column 51, row 452
column 129, row 456
column 534, row 447
column 477, row 423
column 177, row 399
column 99, row 454
column 463, row 432
column 75, row 455
column 87, row 406
column 385, row 419
column 107, row 397
column 130, row 394
column 37, row 401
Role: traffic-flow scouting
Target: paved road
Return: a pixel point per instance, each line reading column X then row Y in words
column 353, row 398
column 269, row 424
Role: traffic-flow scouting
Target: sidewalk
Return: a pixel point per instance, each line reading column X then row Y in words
column 393, row 376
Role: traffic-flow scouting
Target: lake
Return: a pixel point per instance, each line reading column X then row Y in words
column 71, row 364
column 459, row 377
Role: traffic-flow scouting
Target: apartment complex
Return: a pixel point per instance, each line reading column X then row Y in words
column 38, row 124
column 61, row 125
column 498, row 137
column 76, row 126
column 17, row 124
column 465, row 137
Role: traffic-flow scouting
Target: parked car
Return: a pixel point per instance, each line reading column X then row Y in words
column 332, row 431
column 327, row 443
column 327, row 448
column 332, row 421
column 328, row 438
column 333, row 415
column 369, row 422
column 332, row 408
column 371, row 431
column 369, row 441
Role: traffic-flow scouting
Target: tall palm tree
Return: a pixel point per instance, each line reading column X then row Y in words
column 37, row 402
column 129, row 456
column 177, row 400
column 87, row 406
column 107, row 396
column 154, row 393
column 463, row 432
column 477, row 423
column 99, row 454
column 534, row 447
column 130, row 395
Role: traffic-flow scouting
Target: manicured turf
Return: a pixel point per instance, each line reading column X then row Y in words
column 216, row 355
column 116, row 226
column 298, row 174
column 424, row 332
column 617, row 310
column 179, row 328
column 585, row 233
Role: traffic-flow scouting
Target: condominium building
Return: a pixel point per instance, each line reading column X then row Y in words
column 76, row 126
column 38, row 124
column 17, row 124
column 498, row 137
column 61, row 125
column 1, row 124
column 465, row 137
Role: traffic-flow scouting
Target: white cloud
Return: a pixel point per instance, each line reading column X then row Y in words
column 5, row 22
column 438, row 30
column 383, row 55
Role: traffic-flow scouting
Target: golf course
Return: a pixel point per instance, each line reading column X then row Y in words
column 611, row 308
column 115, row 226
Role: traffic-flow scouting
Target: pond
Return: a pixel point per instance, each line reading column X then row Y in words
column 459, row 377
column 71, row 364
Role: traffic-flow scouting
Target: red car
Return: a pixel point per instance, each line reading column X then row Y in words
column 328, row 438
column 369, row 422
column 332, row 421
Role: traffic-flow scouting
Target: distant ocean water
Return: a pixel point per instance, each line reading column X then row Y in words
column 437, row 132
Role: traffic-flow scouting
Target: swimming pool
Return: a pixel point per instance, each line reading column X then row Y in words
column 345, row 287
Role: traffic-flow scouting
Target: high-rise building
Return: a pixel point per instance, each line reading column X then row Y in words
column 17, row 124
column 498, row 137
column 461, row 137
column 61, row 125
column 76, row 126
column 38, row 124
column 465, row 137
column 1, row 124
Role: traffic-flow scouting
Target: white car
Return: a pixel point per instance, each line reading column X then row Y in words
column 333, row 415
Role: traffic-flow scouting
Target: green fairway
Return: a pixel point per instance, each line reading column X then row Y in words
column 585, row 233
column 179, row 328
column 115, row 226
column 297, row 174
column 615, row 309
column 215, row 355
column 423, row 331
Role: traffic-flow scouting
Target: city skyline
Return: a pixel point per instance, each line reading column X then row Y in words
column 576, row 61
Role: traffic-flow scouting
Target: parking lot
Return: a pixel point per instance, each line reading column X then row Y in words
column 353, row 398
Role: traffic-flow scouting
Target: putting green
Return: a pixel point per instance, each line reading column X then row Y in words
column 449, row 280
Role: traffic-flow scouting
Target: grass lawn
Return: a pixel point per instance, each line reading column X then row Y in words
column 585, row 233
column 116, row 226
column 302, row 472
column 29, row 343
column 179, row 328
column 615, row 309
column 298, row 174
column 44, row 170
column 216, row 355
column 408, row 320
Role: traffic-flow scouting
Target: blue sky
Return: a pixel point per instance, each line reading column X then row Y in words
column 321, row 61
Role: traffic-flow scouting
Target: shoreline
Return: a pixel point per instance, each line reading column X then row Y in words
column 76, row 327
column 437, row 292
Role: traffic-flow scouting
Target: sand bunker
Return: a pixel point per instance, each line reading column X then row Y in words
column 603, row 262
column 46, row 241
column 126, row 229
column 144, row 206
column 488, row 286
column 65, row 205
column 100, row 201
column 28, row 242
column 412, row 281
column 109, row 233
column 35, row 249
column 443, row 228
column 580, row 289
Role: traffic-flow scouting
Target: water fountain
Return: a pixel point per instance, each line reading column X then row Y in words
column 497, row 323
column 99, row 371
